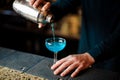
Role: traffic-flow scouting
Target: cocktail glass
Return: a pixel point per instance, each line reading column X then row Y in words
column 55, row 45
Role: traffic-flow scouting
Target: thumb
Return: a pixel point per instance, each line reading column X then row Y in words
column 40, row 25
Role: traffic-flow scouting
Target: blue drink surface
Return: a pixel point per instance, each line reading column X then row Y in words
column 55, row 45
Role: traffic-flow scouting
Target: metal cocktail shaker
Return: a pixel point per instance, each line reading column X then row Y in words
column 23, row 8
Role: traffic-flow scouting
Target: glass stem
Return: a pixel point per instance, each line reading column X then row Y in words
column 55, row 57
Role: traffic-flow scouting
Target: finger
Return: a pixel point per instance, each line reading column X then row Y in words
column 69, row 69
column 62, row 67
column 58, row 63
column 75, row 73
column 37, row 3
column 32, row 2
column 40, row 25
column 46, row 6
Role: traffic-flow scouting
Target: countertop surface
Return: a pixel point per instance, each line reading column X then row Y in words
column 40, row 66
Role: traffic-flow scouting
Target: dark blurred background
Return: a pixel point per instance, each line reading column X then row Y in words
column 20, row 34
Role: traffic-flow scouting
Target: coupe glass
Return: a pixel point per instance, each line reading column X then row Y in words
column 55, row 45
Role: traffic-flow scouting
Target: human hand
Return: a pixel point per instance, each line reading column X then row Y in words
column 41, row 5
column 76, row 62
column 38, row 3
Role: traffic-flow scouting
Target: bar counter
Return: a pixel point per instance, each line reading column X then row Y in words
column 40, row 66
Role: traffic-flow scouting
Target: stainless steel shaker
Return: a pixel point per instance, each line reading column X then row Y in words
column 23, row 8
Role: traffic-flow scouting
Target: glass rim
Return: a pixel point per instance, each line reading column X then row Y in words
column 55, row 38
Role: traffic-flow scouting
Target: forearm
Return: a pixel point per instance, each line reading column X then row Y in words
column 107, row 48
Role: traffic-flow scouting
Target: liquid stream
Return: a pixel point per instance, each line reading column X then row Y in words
column 53, row 31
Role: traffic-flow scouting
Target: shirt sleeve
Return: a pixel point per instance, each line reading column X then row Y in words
column 109, row 47
column 62, row 7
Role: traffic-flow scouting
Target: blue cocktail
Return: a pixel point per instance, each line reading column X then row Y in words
column 55, row 45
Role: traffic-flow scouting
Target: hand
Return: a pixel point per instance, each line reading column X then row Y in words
column 42, row 5
column 77, row 62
